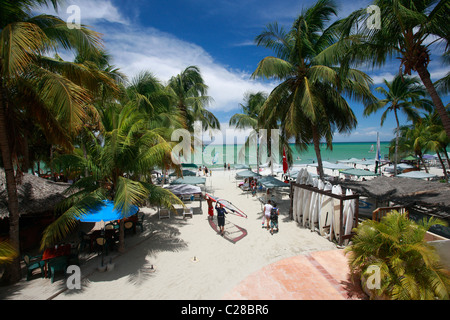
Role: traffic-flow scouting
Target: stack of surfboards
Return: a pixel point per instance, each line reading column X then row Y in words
column 320, row 212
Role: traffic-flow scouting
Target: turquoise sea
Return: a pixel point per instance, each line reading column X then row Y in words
column 217, row 155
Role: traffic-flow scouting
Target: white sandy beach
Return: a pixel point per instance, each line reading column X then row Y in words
column 170, row 245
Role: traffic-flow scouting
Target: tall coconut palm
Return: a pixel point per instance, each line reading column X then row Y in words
column 55, row 102
column 403, row 94
column 405, row 32
column 117, row 160
column 249, row 119
column 310, row 102
column 189, row 93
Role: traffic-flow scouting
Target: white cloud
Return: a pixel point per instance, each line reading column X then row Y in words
column 137, row 49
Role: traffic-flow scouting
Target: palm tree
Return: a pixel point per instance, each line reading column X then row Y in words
column 189, row 93
column 409, row 266
column 116, row 161
column 52, row 100
column 402, row 94
column 406, row 27
column 310, row 101
column 249, row 118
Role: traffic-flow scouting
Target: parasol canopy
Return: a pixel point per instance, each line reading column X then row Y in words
column 360, row 173
column 247, row 174
column 417, row 175
column 190, row 180
column 106, row 213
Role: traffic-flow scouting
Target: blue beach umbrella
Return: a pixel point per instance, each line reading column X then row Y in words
column 106, row 213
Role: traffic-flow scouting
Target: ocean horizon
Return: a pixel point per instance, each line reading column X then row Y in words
column 215, row 155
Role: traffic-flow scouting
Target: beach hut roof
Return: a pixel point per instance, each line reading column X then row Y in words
column 428, row 194
column 247, row 174
column 359, row 173
column 36, row 195
column 190, row 180
column 271, row 182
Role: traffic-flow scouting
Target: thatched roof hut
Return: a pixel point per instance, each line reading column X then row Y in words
column 36, row 195
column 432, row 195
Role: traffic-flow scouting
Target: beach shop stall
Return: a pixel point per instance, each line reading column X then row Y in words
column 187, row 188
column 324, row 208
column 272, row 184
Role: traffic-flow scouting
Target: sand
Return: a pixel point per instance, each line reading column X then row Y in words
column 185, row 259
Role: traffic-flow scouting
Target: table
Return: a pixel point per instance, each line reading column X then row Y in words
column 54, row 252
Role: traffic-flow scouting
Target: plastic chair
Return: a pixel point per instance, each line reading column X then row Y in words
column 188, row 212
column 102, row 244
column 57, row 264
column 129, row 227
column 32, row 263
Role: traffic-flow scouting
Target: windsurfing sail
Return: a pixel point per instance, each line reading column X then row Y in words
column 228, row 205
column 216, row 158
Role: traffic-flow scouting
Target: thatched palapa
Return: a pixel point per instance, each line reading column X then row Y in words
column 36, row 195
column 432, row 195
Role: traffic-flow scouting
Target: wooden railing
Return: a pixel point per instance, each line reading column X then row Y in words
column 379, row 213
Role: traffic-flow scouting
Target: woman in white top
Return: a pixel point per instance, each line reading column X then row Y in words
column 266, row 218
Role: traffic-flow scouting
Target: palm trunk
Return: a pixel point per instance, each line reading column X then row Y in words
column 316, row 141
column 12, row 271
column 426, row 79
column 443, row 166
column 396, row 144
column 423, row 162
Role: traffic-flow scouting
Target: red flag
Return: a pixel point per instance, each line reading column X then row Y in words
column 285, row 164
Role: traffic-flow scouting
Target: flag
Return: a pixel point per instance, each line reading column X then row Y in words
column 285, row 164
column 378, row 154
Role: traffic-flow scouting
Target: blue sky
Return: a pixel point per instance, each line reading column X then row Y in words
column 165, row 37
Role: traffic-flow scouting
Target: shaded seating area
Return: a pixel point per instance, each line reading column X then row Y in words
column 33, row 263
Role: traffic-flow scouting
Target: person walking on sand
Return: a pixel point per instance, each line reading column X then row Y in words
column 221, row 217
column 274, row 213
column 266, row 217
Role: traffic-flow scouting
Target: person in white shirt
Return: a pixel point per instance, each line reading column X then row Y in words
column 267, row 209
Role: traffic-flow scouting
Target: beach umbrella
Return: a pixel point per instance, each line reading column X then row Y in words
column 189, row 165
column 410, row 158
column 242, row 166
column 247, row 174
column 416, row 175
column 183, row 189
column 186, row 173
column 429, row 157
column 359, row 173
column 106, row 213
column 190, row 180
column 271, row 182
